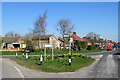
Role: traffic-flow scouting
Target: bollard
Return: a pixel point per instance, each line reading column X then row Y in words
column 26, row 56
column 41, row 59
column 16, row 54
column 23, row 54
column 69, row 60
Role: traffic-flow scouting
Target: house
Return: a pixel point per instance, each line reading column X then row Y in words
column 76, row 38
column 109, row 42
column 13, row 43
column 62, row 41
column 45, row 39
column 87, row 40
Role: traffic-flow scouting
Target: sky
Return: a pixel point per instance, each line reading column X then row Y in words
column 98, row 17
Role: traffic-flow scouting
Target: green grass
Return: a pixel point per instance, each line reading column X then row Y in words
column 11, row 52
column 50, row 52
column 0, row 53
column 59, row 64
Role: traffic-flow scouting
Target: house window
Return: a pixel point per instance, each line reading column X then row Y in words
column 52, row 38
column 36, row 45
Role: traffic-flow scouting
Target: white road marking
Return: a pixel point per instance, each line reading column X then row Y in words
column 99, row 71
column 111, row 58
column 17, row 70
column 0, row 68
column 97, row 57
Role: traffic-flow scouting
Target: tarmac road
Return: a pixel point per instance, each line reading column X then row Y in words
column 105, row 66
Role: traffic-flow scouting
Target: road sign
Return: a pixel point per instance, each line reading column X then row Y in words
column 47, row 45
column 66, row 35
column 71, row 39
column 27, row 51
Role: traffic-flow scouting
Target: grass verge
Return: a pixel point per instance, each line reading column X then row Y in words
column 50, row 52
column 59, row 64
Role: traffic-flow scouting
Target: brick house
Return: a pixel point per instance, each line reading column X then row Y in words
column 76, row 38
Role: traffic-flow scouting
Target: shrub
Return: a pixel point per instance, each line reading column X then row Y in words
column 29, row 45
column 91, row 47
column 80, row 45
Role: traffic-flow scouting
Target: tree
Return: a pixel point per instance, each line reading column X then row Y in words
column 93, row 37
column 12, row 34
column 28, row 41
column 28, row 37
column 64, row 26
column 40, row 25
column 80, row 45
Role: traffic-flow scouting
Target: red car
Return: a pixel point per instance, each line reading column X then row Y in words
column 109, row 47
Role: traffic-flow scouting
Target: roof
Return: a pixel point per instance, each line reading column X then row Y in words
column 42, row 37
column 75, row 37
column 11, row 39
column 61, row 39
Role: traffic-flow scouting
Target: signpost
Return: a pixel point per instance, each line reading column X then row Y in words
column 70, row 41
column 66, row 35
column 27, row 51
column 45, row 46
column 16, row 54
column 26, row 56
column 41, row 59
column 23, row 54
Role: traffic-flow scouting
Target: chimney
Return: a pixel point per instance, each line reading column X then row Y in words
column 74, row 32
column 84, row 37
column 6, row 35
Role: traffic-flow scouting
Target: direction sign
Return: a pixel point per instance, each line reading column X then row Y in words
column 47, row 45
column 27, row 51
column 66, row 35
column 71, row 39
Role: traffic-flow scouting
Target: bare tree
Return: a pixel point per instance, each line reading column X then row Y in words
column 93, row 37
column 12, row 34
column 64, row 26
column 28, row 36
column 40, row 25
column 17, row 35
column 27, row 39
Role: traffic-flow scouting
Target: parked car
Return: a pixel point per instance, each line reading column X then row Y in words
column 66, row 47
column 101, row 47
column 109, row 47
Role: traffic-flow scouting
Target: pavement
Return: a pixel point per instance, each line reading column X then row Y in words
column 105, row 66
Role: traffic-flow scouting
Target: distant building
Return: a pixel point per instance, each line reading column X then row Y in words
column 76, row 38
column 13, row 43
column 45, row 39
column 62, row 41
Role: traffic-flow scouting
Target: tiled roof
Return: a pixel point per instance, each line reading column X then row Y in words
column 75, row 37
column 11, row 39
column 42, row 37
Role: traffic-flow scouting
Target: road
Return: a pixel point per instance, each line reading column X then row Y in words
column 105, row 66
